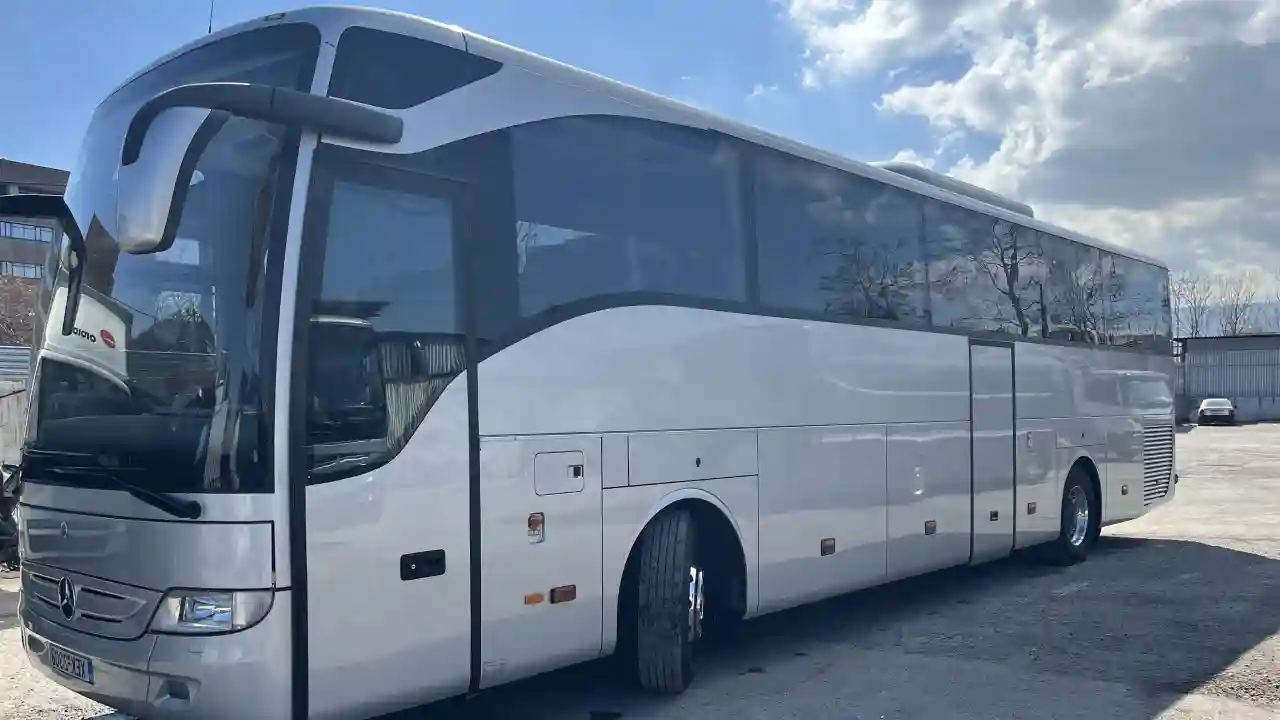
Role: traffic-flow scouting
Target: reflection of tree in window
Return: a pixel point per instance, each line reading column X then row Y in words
column 1138, row 311
column 836, row 243
column 984, row 273
column 1011, row 259
column 872, row 266
column 1073, row 301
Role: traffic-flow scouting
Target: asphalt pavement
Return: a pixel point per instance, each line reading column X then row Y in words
column 1175, row 616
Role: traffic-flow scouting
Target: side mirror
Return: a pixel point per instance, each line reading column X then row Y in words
column 155, row 184
column 170, row 131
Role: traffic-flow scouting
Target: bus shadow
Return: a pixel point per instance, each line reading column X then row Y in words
column 1125, row 635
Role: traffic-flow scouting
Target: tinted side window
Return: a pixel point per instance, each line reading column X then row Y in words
column 837, row 243
column 616, row 205
column 385, row 334
column 985, row 273
column 1073, row 296
column 1138, row 313
column 394, row 71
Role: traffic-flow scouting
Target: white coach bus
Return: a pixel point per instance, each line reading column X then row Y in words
column 484, row 366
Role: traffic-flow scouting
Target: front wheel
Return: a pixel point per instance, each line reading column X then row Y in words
column 668, row 603
column 1081, row 521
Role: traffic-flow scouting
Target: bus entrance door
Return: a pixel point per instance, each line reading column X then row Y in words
column 991, row 406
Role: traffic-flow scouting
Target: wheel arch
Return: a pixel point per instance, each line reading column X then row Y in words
column 715, row 522
column 1085, row 463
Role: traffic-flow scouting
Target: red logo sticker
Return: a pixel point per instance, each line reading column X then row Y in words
column 107, row 338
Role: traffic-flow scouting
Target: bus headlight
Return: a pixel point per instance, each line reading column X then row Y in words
column 207, row 612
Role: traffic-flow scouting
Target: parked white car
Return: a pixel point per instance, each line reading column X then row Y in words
column 1216, row 410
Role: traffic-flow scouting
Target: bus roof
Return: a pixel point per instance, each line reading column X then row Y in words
column 334, row 18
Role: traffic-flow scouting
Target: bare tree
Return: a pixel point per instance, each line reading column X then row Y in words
column 1273, row 313
column 17, row 309
column 1236, row 294
column 1192, row 298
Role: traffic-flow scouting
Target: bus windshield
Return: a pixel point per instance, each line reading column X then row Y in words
column 1150, row 393
column 164, row 378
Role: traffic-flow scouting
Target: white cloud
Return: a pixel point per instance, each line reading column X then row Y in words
column 912, row 156
column 1150, row 123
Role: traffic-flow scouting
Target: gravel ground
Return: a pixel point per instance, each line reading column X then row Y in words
column 1176, row 616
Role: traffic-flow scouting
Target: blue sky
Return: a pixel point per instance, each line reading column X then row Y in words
column 740, row 58
column 1071, row 106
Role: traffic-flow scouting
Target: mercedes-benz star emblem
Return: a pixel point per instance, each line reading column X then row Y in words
column 64, row 531
column 66, row 598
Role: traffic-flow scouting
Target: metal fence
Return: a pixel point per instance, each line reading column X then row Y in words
column 1250, row 378
column 14, row 362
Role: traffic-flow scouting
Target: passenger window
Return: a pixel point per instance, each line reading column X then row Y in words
column 1138, row 312
column 985, row 273
column 1074, row 291
column 837, row 243
column 606, row 206
column 1101, row 390
column 394, row 71
column 385, row 329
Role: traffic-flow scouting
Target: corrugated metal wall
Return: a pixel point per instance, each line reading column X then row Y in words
column 14, row 362
column 1249, row 377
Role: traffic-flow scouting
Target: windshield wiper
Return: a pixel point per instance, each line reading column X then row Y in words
column 177, row 507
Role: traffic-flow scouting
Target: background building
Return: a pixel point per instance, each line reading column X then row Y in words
column 1242, row 368
column 24, row 249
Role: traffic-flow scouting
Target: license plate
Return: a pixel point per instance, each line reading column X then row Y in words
column 72, row 664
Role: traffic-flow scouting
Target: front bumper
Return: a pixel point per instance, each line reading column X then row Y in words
column 245, row 674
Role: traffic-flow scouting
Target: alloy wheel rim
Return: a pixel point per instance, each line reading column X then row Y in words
column 1078, row 509
column 697, row 604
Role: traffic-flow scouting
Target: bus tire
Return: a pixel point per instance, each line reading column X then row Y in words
column 668, row 602
column 1080, row 522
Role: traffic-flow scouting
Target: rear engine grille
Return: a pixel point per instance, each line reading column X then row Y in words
column 1157, row 459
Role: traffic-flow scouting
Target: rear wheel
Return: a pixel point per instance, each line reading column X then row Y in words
column 669, row 603
column 1081, row 522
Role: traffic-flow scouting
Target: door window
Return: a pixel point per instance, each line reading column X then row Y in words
column 385, row 332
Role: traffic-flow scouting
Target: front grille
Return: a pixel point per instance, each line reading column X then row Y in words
column 102, row 608
column 1157, row 459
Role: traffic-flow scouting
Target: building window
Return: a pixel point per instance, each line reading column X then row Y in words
column 22, row 270
column 23, row 231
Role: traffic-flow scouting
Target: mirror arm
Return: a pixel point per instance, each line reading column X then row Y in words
column 269, row 104
column 55, row 206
